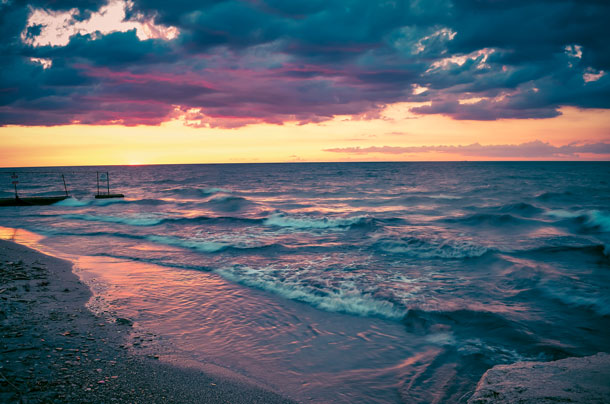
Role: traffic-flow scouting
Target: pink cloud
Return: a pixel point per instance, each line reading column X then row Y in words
column 534, row 149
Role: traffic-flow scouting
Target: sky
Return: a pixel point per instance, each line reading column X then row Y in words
column 92, row 82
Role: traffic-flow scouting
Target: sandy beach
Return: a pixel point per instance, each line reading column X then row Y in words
column 53, row 349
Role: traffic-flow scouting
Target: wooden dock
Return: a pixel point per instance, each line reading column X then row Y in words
column 103, row 192
column 31, row 201
column 107, row 195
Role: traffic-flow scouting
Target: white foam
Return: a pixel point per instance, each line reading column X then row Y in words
column 199, row 245
column 444, row 196
column 239, row 240
column 593, row 217
column 344, row 297
column 282, row 220
column 434, row 248
column 502, row 354
column 139, row 220
column 72, row 202
column 209, row 191
column 441, row 338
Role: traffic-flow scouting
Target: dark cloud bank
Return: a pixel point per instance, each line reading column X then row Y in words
column 239, row 62
column 535, row 149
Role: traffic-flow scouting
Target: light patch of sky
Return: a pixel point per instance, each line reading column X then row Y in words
column 472, row 100
column 444, row 34
column 417, row 89
column 57, row 27
column 498, row 98
column 459, row 60
column 46, row 63
column 574, row 51
column 591, row 75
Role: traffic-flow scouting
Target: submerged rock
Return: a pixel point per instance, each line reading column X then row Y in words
column 124, row 321
column 571, row 380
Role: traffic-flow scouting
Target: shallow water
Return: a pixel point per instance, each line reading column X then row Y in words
column 359, row 282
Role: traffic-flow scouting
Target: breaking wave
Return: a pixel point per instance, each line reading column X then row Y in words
column 77, row 203
column 199, row 245
column 589, row 220
column 211, row 191
column 342, row 298
column 72, row 202
column 433, row 248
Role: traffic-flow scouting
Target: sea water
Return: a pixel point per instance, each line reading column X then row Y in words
column 343, row 282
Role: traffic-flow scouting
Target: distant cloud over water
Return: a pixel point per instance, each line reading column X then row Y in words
column 535, row 149
column 230, row 63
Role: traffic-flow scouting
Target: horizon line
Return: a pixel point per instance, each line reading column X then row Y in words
column 318, row 162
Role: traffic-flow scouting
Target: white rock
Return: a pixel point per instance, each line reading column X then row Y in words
column 571, row 380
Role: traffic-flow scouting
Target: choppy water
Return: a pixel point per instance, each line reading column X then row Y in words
column 359, row 282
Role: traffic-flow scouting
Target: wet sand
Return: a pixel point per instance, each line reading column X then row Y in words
column 52, row 349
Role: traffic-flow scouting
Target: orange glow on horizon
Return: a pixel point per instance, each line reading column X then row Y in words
column 175, row 143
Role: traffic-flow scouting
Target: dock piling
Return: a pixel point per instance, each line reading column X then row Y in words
column 14, row 177
column 99, row 195
column 65, row 187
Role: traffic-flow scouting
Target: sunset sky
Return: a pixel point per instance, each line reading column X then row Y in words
column 149, row 82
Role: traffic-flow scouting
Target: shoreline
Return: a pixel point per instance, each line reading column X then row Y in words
column 54, row 349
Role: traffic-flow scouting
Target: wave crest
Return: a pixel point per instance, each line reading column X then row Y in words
column 521, row 209
column 420, row 248
column 72, row 202
column 283, row 220
column 589, row 220
column 134, row 220
column 342, row 298
column 229, row 203
column 491, row 219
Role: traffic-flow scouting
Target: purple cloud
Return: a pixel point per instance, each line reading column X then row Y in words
column 535, row 149
column 236, row 62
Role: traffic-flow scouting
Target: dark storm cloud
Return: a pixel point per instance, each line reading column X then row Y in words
column 485, row 110
column 115, row 49
column 81, row 86
column 272, row 61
